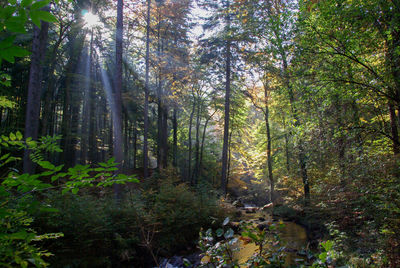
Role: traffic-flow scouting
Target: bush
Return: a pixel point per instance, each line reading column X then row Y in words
column 162, row 219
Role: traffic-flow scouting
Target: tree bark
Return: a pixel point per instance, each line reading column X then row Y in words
column 175, row 139
column 189, row 173
column 227, row 110
column 117, row 109
column 34, row 90
column 197, row 145
column 269, row 157
column 203, row 139
column 134, row 145
column 49, row 103
column 146, row 97
column 297, row 123
column 394, row 130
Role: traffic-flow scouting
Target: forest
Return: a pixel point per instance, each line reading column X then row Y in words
column 200, row 133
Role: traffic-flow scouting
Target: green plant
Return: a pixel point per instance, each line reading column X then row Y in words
column 271, row 251
column 21, row 195
column 14, row 16
column 218, row 247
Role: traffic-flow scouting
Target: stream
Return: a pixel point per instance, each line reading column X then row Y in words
column 293, row 236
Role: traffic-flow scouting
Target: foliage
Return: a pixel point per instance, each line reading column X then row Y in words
column 21, row 196
column 217, row 249
column 158, row 220
column 14, row 17
column 271, row 251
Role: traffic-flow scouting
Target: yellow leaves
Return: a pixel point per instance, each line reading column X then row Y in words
column 206, row 259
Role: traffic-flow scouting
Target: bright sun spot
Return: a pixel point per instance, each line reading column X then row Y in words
column 91, row 20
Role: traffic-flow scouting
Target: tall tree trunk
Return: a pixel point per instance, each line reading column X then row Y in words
column 228, row 173
column 189, row 173
column 175, row 139
column 146, row 97
column 134, row 145
column 203, row 139
column 34, row 89
column 269, row 157
column 286, row 136
column 85, row 111
column 340, row 141
column 395, row 133
column 94, row 112
column 227, row 110
column 117, row 109
column 197, row 145
column 49, row 102
column 164, row 137
column 127, row 140
column 297, row 123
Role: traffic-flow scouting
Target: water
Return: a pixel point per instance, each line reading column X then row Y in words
column 292, row 235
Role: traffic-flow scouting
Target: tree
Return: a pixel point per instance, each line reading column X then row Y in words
column 116, row 108
column 146, row 98
column 34, row 89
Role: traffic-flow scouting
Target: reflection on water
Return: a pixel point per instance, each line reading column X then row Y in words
column 293, row 236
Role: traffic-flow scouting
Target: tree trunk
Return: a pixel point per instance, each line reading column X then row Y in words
column 34, row 90
column 286, row 146
column 164, row 137
column 228, row 173
column 48, row 104
column 126, row 141
column 202, row 141
column 297, row 123
column 85, row 111
column 134, row 145
column 197, row 145
column 117, row 107
column 146, row 97
column 189, row 173
column 227, row 110
column 395, row 133
column 94, row 112
column 175, row 138
column 269, row 157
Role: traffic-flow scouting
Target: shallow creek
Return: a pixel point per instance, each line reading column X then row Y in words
column 293, row 235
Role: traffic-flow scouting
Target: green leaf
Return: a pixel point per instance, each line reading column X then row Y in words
column 35, row 17
column 7, row 11
column 65, row 190
column 12, row 136
column 31, row 144
column 46, row 165
column 327, row 245
column 75, row 190
column 19, row 135
column 6, row 56
column 45, row 16
column 22, row 235
column 40, row 4
column 3, row 157
column 7, row 42
column 26, row 3
column 16, row 24
column 322, row 257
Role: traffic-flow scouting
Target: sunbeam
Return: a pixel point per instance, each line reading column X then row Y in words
column 91, row 20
